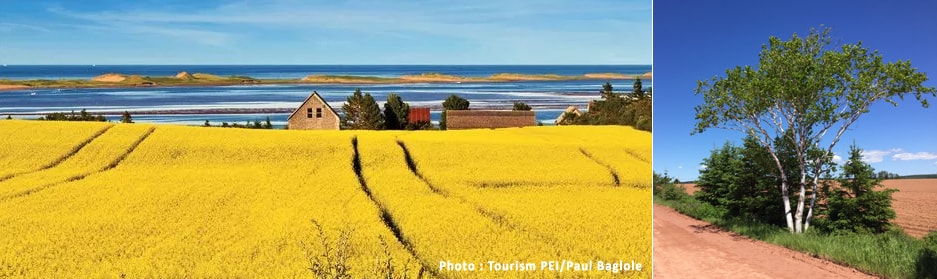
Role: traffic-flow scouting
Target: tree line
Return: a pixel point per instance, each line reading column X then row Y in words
column 632, row 109
column 361, row 112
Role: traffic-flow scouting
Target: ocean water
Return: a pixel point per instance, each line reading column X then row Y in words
column 257, row 102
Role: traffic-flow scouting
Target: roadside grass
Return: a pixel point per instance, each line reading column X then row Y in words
column 893, row 254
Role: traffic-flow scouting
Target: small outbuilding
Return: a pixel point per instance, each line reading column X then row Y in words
column 479, row 119
column 313, row 114
column 417, row 115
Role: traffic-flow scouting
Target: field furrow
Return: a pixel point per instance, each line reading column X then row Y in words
column 28, row 147
column 98, row 155
column 442, row 229
column 200, row 203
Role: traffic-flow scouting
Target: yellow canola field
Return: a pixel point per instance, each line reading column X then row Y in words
column 97, row 155
column 28, row 147
column 198, row 202
column 237, row 203
column 446, row 231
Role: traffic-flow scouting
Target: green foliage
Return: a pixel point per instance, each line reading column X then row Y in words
column 330, row 259
column 744, row 180
column 521, row 106
column 666, row 188
column 453, row 102
column 855, row 205
column 395, row 112
column 806, row 87
column 887, row 175
column 126, row 118
column 82, row 116
column 256, row 124
column 607, row 91
column 637, row 90
column 361, row 112
column 632, row 110
column 9, row 117
column 419, row 125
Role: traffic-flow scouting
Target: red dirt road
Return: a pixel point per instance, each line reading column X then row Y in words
column 689, row 248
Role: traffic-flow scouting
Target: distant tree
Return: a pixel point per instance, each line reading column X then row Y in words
column 126, row 118
column 9, row 117
column 268, row 124
column 224, row 124
column 395, row 112
column 361, row 112
column 521, row 106
column 805, row 86
column 206, row 124
column 855, row 205
column 637, row 91
column 453, row 102
column 607, row 91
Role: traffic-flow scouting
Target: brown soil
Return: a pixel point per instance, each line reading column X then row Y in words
column 689, row 248
column 915, row 204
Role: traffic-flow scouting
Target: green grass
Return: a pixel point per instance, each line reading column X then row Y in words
column 892, row 254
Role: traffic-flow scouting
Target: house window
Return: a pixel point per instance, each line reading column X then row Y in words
column 318, row 112
column 309, row 113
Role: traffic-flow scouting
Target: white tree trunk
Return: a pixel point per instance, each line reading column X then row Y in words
column 786, row 198
column 813, row 199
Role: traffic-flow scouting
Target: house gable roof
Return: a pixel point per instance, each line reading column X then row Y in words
column 319, row 98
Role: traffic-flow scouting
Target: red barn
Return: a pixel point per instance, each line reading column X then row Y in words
column 418, row 115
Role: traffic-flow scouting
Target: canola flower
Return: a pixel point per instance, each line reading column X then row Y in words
column 444, row 229
column 197, row 202
column 210, row 202
column 97, row 155
column 29, row 147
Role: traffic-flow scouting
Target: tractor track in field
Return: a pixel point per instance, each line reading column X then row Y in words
column 64, row 157
column 615, row 180
column 386, row 217
column 498, row 219
column 111, row 165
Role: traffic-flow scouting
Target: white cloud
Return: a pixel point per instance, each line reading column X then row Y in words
column 837, row 159
column 679, row 167
column 703, row 167
column 505, row 28
column 914, row 156
column 875, row 156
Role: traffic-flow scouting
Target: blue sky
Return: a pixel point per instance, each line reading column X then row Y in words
column 326, row 32
column 696, row 40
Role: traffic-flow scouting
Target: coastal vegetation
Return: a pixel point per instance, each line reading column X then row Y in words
column 632, row 109
column 122, row 200
column 205, row 79
column 83, row 115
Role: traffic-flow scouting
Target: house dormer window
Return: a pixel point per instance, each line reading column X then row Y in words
column 318, row 112
column 309, row 113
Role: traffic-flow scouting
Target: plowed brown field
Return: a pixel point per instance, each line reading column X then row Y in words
column 915, row 204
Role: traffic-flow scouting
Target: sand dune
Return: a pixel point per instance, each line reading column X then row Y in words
column 110, row 77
